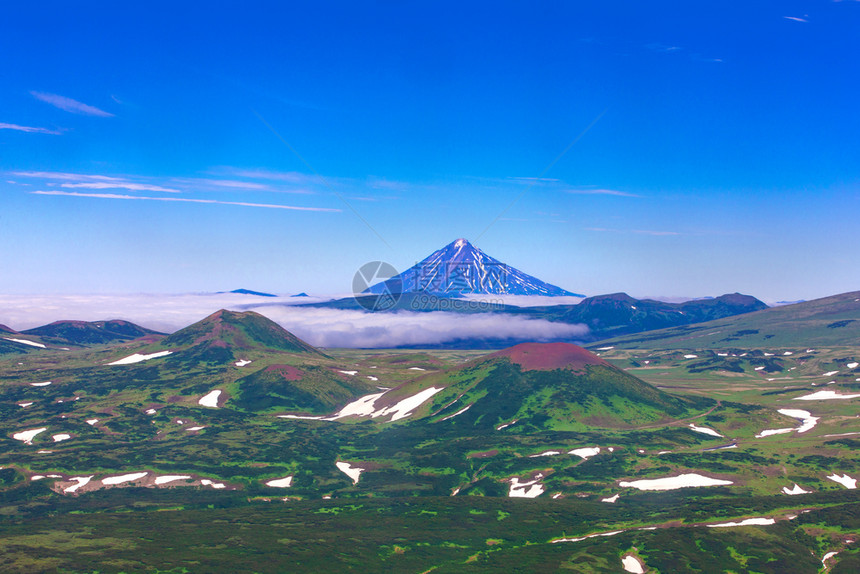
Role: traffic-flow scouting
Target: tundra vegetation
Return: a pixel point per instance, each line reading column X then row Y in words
column 538, row 458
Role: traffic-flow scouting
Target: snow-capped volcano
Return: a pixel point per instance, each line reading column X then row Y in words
column 462, row 268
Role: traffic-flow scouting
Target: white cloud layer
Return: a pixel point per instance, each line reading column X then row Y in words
column 320, row 327
column 524, row 300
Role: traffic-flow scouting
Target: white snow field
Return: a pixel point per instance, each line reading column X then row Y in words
column 586, row 452
column 825, row 396
column 460, row 412
column 210, row 400
column 613, row 533
column 81, row 481
column 807, row 422
column 350, row 373
column 285, row 482
column 28, row 435
column 747, row 522
column 137, row 358
column 24, row 405
column 610, row 499
column 92, row 422
column 705, row 430
column 167, row 478
column 45, row 384
column 674, row 482
column 112, row 480
column 828, row 556
column 351, row 471
column 242, row 363
column 844, row 480
column 530, row 489
column 365, row 406
column 61, row 437
column 794, row 491
column 631, row 564
column 545, row 453
column 26, row 342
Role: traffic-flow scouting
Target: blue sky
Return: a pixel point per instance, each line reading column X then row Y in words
column 661, row 148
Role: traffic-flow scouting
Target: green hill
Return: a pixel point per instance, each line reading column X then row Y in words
column 220, row 335
column 833, row 321
column 89, row 333
column 548, row 386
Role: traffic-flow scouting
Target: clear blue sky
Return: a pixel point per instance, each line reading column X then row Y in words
column 722, row 153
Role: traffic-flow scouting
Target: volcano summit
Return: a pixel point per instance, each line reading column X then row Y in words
column 461, row 268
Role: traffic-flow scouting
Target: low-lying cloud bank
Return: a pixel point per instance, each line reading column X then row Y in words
column 337, row 328
column 318, row 326
column 166, row 313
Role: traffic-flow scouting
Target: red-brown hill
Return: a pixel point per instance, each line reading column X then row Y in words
column 548, row 356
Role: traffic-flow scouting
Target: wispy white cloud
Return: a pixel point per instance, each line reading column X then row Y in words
column 63, row 176
column 232, row 184
column 87, row 181
column 615, row 192
column 663, row 48
column 795, row 18
column 70, row 105
column 237, row 184
column 536, row 179
column 638, row 231
column 119, row 185
column 184, row 200
column 259, row 173
column 29, row 129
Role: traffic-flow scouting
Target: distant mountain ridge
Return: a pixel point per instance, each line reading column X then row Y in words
column 89, row 332
column 248, row 292
column 833, row 320
column 461, row 268
column 620, row 314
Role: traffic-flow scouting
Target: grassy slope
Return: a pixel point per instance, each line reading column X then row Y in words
column 829, row 321
column 428, row 459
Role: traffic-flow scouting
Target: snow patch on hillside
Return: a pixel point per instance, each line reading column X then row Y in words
column 137, row 358
column 689, row 480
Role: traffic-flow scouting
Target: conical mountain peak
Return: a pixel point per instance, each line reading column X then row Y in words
column 460, row 268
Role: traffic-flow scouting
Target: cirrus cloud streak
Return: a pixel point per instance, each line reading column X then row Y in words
column 184, row 200
column 70, row 105
column 29, row 129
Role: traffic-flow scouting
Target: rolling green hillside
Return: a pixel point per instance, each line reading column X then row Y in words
column 831, row 320
column 89, row 333
column 238, row 331
column 232, row 445
column 550, row 386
